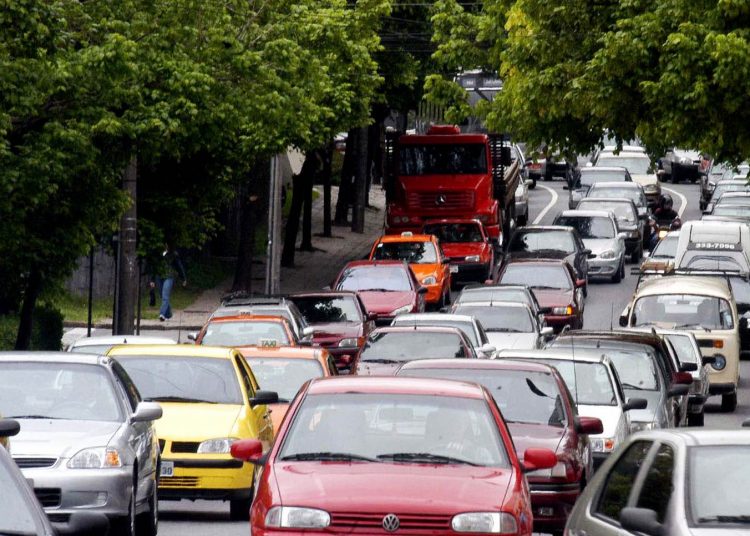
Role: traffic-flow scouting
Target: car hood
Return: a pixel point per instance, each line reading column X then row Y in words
column 551, row 297
column 599, row 245
column 392, row 487
column 196, row 422
column 535, row 435
column 365, row 368
column 609, row 415
column 423, row 270
column 512, row 341
column 385, row 302
column 61, row 438
column 333, row 332
column 462, row 249
column 648, row 414
column 643, row 180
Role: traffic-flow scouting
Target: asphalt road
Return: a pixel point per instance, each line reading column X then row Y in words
column 603, row 306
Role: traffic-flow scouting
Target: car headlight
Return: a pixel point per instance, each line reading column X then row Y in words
column 650, row 187
column 641, row 426
column 602, row 444
column 402, row 310
column 95, row 458
column 487, row 522
column 351, row 342
column 219, row 445
column 609, row 254
column 472, row 258
column 429, row 280
column 720, row 363
column 291, row 517
column 560, row 470
column 568, row 310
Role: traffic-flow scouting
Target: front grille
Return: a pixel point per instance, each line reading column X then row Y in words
column 48, row 497
column 408, row 522
column 28, row 463
column 441, row 200
column 183, row 447
column 179, row 482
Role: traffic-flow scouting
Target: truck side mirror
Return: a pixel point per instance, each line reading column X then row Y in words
column 506, row 157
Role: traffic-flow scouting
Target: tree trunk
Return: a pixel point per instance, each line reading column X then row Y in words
column 307, row 190
column 360, row 183
column 33, row 286
column 128, row 258
column 326, row 179
column 292, row 224
column 255, row 190
column 346, row 189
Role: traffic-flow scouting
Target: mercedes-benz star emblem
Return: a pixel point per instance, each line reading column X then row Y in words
column 440, row 200
column 391, row 523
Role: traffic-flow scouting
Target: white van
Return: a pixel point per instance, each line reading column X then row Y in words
column 713, row 246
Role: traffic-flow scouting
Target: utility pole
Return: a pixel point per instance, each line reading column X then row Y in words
column 273, row 251
column 360, row 183
column 128, row 260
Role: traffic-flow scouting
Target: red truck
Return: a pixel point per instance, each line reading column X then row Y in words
column 449, row 174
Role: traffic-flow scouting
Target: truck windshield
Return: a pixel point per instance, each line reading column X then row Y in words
column 443, row 159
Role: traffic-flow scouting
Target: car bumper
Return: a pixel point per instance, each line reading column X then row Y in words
column 218, row 479
column 63, row 491
column 599, row 266
column 552, row 503
column 558, row 322
column 685, row 171
column 470, row 272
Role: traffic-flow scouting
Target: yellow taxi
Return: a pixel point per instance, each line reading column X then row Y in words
column 425, row 257
column 210, row 398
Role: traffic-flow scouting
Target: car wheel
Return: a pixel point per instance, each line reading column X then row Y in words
column 521, row 220
column 729, row 402
column 533, row 184
column 618, row 275
column 148, row 522
column 696, row 419
column 239, row 509
column 637, row 254
column 125, row 526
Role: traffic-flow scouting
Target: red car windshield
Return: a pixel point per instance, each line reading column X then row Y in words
column 386, row 278
column 395, row 428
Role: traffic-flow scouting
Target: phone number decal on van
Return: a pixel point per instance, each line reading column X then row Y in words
column 715, row 246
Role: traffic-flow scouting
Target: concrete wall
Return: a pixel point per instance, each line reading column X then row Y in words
column 104, row 276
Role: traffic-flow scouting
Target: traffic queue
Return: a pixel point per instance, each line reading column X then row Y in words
column 443, row 385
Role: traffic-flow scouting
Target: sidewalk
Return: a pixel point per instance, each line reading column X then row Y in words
column 313, row 269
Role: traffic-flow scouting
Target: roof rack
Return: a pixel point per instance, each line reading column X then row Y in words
column 245, row 298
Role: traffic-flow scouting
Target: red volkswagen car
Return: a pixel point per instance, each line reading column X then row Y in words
column 377, row 455
column 540, row 412
column 467, row 247
column 387, row 288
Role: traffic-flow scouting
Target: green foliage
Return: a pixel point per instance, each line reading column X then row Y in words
column 47, row 333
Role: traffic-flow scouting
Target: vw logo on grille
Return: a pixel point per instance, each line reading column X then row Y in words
column 440, row 200
column 391, row 523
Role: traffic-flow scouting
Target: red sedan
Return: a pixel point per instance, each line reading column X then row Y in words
column 554, row 283
column 540, row 413
column 387, row 288
column 377, row 455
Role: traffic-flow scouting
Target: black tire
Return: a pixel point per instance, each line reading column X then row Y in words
column 239, row 509
column 729, row 402
column 533, row 184
column 637, row 255
column 618, row 275
column 147, row 524
column 125, row 526
column 696, row 419
column 522, row 220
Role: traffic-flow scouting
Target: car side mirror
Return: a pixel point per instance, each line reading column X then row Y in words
column 682, row 378
column 264, row 397
column 309, row 331
column 635, row 403
column 586, row 251
column 688, row 367
column 192, row 336
column 528, row 182
column 547, row 331
column 589, row 425
column 83, row 524
column 422, row 290
column 641, row 520
column 708, row 360
column 743, row 323
column 580, row 283
column 678, row 390
column 488, row 349
column 536, row 458
column 146, row 412
column 9, row 427
column 371, row 317
column 247, row 450
column 622, row 235
column 623, row 321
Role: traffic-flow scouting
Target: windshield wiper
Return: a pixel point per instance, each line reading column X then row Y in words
column 631, row 386
column 547, row 286
column 503, row 330
column 178, row 399
column 378, row 290
column 693, row 325
column 327, row 457
column 383, row 361
column 725, row 519
column 31, row 417
column 423, row 457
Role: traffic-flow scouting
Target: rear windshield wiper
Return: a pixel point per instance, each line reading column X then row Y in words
column 178, row 399
column 327, row 457
column 725, row 519
column 423, row 457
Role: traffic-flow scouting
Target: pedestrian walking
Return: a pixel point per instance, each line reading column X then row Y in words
column 168, row 267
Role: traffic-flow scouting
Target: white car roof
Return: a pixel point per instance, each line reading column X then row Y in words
column 599, row 169
column 426, row 317
column 587, row 214
column 553, row 354
column 121, row 339
column 616, row 184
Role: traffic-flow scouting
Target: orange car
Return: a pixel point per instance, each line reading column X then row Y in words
column 284, row 370
column 246, row 330
column 425, row 258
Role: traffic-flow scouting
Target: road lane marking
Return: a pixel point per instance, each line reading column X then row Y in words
column 549, row 206
column 683, row 200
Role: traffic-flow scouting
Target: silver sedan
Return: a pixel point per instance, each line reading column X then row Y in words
column 87, row 442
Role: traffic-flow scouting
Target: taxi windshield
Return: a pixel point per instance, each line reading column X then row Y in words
column 250, row 333
column 285, row 376
column 683, row 311
column 419, row 252
column 183, row 379
column 396, row 428
column 401, row 346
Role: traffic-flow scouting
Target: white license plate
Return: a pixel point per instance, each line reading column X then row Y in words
column 454, row 269
column 167, row 469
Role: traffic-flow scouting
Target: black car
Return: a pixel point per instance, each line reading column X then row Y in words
column 551, row 242
column 680, row 164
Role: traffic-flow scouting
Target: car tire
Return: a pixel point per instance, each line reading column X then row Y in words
column 533, row 184
column 618, row 275
column 147, row 524
column 522, row 220
column 696, row 419
column 239, row 509
column 637, row 255
column 125, row 526
column 729, row 402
